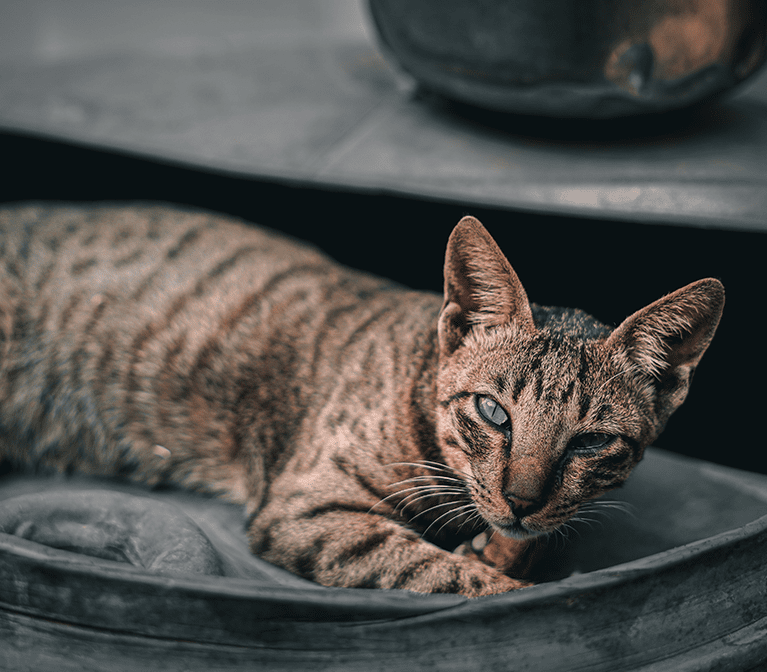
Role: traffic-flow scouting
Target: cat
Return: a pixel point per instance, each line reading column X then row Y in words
column 367, row 429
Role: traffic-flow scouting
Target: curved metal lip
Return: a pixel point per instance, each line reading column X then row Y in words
column 562, row 99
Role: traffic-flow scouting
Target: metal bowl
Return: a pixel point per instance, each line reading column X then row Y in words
column 679, row 584
column 587, row 59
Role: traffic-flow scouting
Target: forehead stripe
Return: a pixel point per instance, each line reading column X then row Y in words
column 519, row 385
column 584, row 363
column 585, row 403
column 568, row 392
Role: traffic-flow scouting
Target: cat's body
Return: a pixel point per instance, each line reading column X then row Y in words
column 362, row 425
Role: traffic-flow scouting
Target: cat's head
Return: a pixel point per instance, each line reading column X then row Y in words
column 548, row 408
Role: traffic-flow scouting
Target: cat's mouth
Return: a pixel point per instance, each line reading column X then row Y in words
column 515, row 530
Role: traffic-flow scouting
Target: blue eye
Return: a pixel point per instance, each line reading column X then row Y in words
column 590, row 441
column 491, row 411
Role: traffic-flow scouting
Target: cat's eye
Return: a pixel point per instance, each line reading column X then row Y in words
column 590, row 441
column 491, row 411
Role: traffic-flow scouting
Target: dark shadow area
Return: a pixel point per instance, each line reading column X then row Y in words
column 718, row 119
column 707, row 117
column 609, row 268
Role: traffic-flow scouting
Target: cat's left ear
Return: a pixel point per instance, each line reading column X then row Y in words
column 666, row 340
column 481, row 287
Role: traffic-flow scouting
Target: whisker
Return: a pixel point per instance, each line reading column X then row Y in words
column 457, row 513
column 556, row 534
column 630, row 369
column 564, row 531
column 424, row 464
column 430, row 478
column 441, row 465
column 591, row 522
column 450, row 482
column 434, row 466
column 617, row 504
column 472, row 519
column 431, row 508
column 608, row 508
column 418, row 497
column 454, row 513
column 435, row 488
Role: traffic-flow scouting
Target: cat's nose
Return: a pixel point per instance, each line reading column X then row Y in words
column 520, row 506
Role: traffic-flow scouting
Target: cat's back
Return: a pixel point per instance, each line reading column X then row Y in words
column 137, row 288
column 151, row 324
column 141, row 250
column 66, row 267
column 91, row 289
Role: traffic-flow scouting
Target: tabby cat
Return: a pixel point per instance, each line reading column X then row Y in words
column 367, row 429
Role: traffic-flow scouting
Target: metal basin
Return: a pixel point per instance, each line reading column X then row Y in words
column 587, row 59
column 688, row 592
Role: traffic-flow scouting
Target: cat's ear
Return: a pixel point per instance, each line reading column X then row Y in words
column 481, row 287
column 666, row 340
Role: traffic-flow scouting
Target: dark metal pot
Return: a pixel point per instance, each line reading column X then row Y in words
column 562, row 58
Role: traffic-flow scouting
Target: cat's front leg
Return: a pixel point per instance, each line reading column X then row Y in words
column 356, row 549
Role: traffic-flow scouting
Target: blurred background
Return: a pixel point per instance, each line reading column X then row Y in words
column 292, row 114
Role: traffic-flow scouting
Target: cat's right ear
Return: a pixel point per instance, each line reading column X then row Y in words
column 664, row 341
column 481, row 287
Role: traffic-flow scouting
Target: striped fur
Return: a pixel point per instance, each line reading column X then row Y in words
column 339, row 409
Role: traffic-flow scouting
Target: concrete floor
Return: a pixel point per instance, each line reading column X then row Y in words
column 296, row 89
column 50, row 30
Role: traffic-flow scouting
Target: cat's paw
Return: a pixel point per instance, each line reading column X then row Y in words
column 514, row 557
column 487, row 581
column 449, row 573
